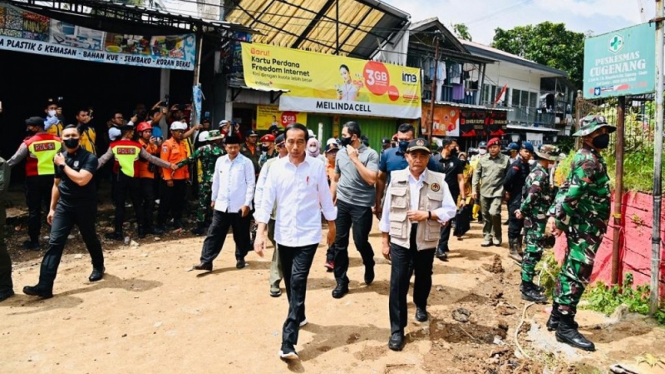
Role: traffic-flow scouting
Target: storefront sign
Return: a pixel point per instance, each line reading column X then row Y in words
column 446, row 120
column 620, row 63
column 535, row 138
column 320, row 83
column 482, row 122
column 24, row 31
column 268, row 115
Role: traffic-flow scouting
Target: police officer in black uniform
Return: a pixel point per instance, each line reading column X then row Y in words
column 74, row 201
column 513, row 184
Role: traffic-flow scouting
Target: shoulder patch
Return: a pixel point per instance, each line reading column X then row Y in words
column 165, row 149
column 516, row 168
column 435, row 187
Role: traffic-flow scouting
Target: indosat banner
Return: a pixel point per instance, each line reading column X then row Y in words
column 320, row 83
column 24, row 31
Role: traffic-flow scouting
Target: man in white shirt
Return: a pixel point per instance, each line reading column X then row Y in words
column 232, row 194
column 417, row 203
column 298, row 186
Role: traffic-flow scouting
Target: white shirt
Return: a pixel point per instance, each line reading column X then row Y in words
column 301, row 193
column 114, row 133
column 446, row 212
column 233, row 183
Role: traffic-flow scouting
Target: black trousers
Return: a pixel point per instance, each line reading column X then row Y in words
column 359, row 219
column 38, row 195
column 445, row 234
column 514, row 225
column 296, row 262
column 172, row 200
column 146, row 186
column 83, row 215
column 399, row 280
column 124, row 186
column 6, row 284
column 213, row 243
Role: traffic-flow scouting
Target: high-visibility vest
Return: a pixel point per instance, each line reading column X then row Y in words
column 42, row 148
column 126, row 154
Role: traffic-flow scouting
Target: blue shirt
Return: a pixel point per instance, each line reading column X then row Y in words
column 393, row 159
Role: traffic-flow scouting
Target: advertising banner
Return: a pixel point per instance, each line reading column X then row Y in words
column 446, row 120
column 482, row 122
column 620, row 63
column 28, row 32
column 320, row 83
column 268, row 115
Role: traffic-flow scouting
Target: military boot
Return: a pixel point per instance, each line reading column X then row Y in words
column 530, row 293
column 555, row 317
column 519, row 246
column 567, row 333
column 514, row 254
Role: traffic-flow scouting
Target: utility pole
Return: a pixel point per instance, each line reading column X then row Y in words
column 657, row 162
column 618, row 192
column 433, row 98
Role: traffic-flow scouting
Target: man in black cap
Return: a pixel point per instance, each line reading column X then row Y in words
column 38, row 150
column 74, row 201
column 417, row 203
column 385, row 144
column 251, row 151
column 274, row 130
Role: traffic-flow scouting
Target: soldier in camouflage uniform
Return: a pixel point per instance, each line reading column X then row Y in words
column 538, row 196
column 582, row 211
column 208, row 155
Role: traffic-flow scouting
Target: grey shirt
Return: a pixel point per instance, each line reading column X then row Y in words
column 351, row 187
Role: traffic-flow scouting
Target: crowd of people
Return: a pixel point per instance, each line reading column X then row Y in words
column 285, row 186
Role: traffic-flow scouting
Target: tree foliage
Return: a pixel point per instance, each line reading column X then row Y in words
column 546, row 43
column 462, row 31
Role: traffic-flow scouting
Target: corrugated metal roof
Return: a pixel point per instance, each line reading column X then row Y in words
column 499, row 55
column 313, row 24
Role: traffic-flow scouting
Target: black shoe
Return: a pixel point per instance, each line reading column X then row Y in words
column 531, row 293
column 31, row 245
column 38, row 291
column 240, row 263
column 555, row 317
column 154, row 231
column 198, row 231
column 97, row 274
column 288, row 353
column 6, row 295
column 142, row 232
column 369, row 275
column 567, row 333
column 396, row 342
column 421, row 314
column 341, row 290
column 206, row 266
column 178, row 225
column 114, row 236
column 442, row 255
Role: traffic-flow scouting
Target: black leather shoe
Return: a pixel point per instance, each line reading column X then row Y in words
column 33, row 246
column 396, row 342
column 555, row 317
column 421, row 314
column 155, row 231
column 97, row 274
column 203, row 266
column 38, row 291
column 531, row 293
column 341, row 290
column 198, row 231
column 114, row 236
column 369, row 275
column 240, row 263
column 6, row 295
column 567, row 333
column 443, row 256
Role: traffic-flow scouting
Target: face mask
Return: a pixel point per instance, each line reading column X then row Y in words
column 346, row 141
column 482, row 151
column 601, row 141
column 71, row 143
column 453, row 152
column 403, row 145
column 264, row 148
column 51, row 113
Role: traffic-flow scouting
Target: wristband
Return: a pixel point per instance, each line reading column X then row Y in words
column 429, row 215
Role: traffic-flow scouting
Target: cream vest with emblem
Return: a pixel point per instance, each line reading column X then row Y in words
column 431, row 198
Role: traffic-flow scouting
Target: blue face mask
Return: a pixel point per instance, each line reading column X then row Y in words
column 403, row 145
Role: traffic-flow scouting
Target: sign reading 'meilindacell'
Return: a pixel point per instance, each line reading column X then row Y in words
column 29, row 32
column 620, row 63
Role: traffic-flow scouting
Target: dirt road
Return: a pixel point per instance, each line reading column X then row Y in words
column 150, row 315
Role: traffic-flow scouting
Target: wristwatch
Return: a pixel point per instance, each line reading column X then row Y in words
column 62, row 167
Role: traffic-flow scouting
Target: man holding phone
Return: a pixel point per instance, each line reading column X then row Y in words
column 232, row 194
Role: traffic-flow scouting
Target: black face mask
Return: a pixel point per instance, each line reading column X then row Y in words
column 403, row 145
column 346, row 141
column 601, row 141
column 71, row 143
column 453, row 152
column 265, row 148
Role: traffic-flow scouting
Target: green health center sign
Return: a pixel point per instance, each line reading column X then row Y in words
column 620, row 63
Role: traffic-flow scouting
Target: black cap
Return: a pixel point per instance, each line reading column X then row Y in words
column 34, row 121
column 385, row 141
column 231, row 140
column 280, row 139
column 251, row 133
column 418, row 145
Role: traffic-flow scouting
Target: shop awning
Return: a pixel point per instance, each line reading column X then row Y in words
column 531, row 128
column 346, row 27
column 468, row 106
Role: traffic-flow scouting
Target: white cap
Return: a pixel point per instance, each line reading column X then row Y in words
column 223, row 122
column 178, row 125
column 203, row 136
column 331, row 141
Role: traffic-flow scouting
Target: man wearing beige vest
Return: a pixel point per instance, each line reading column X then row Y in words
column 417, row 203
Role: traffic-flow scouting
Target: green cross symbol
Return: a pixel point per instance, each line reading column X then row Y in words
column 616, row 43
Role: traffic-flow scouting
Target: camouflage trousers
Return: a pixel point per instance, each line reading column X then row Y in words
column 534, row 232
column 584, row 239
column 204, row 211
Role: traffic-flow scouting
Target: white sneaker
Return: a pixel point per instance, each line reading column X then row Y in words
column 303, row 322
column 289, row 355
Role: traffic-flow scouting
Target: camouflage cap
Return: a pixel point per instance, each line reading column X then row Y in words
column 549, row 152
column 214, row 135
column 591, row 123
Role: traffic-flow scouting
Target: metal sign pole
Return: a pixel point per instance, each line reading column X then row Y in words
column 657, row 162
